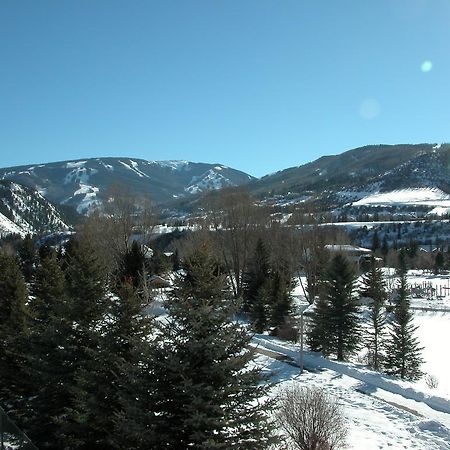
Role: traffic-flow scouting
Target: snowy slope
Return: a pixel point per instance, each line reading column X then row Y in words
column 9, row 227
column 432, row 197
column 23, row 210
column 83, row 184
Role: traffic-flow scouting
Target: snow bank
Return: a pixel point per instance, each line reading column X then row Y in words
column 314, row 361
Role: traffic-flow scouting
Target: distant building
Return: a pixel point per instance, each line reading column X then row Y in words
column 359, row 256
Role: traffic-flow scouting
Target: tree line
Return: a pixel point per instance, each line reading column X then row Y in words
column 339, row 328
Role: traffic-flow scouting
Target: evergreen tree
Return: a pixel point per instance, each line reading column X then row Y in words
column 159, row 263
column 439, row 262
column 385, row 247
column 44, row 251
column 256, row 276
column 27, row 255
column 176, row 260
column 48, row 289
column 14, row 322
column 260, row 307
column 132, row 266
column 317, row 336
column 48, row 366
column 281, row 298
column 88, row 306
column 375, row 241
column 204, row 399
column 373, row 287
column 403, row 351
column 335, row 323
column 103, row 384
column 132, row 372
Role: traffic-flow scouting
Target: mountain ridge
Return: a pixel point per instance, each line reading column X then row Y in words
column 83, row 183
column 330, row 181
column 370, row 168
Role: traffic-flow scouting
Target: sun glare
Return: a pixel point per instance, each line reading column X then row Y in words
column 426, row 66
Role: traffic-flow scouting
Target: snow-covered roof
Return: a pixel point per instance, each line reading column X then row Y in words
column 346, row 248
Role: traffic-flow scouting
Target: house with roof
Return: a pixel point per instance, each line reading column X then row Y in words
column 359, row 256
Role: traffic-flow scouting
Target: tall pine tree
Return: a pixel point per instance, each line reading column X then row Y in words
column 130, row 338
column 335, row 323
column 206, row 397
column 48, row 366
column 256, row 276
column 132, row 265
column 403, row 350
column 88, row 308
column 317, row 336
column 14, row 329
column 373, row 287
column 281, row 298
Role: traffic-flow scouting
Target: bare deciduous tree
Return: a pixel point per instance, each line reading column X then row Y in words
column 432, row 381
column 112, row 228
column 236, row 218
column 312, row 419
column 312, row 258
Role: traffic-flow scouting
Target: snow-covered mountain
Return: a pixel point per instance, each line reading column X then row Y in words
column 334, row 181
column 84, row 183
column 330, row 182
column 23, row 210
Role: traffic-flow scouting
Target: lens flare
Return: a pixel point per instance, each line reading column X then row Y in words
column 369, row 108
column 426, row 66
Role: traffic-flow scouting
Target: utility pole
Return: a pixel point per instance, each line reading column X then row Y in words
column 301, row 342
column 302, row 335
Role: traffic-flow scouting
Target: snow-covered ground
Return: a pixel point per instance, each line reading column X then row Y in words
column 9, row 227
column 420, row 196
column 381, row 412
column 385, row 412
column 434, row 335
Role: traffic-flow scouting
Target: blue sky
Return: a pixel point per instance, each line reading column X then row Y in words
column 259, row 85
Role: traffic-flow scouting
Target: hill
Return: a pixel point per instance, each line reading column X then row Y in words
column 369, row 169
column 84, row 183
column 23, row 210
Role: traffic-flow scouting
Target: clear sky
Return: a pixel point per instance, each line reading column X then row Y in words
column 259, row 85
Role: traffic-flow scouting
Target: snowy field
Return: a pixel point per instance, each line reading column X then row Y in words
column 434, row 335
column 384, row 412
column 377, row 419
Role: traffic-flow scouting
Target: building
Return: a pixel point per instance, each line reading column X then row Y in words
column 360, row 256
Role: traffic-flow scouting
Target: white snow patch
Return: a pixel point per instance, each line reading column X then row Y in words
column 439, row 211
column 7, row 226
column 172, row 164
column 210, row 180
column 419, row 196
column 134, row 168
column 74, row 164
column 79, row 174
column 108, row 166
column 90, row 197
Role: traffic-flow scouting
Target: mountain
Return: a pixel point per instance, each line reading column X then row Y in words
column 23, row 210
column 364, row 170
column 329, row 182
column 84, row 183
